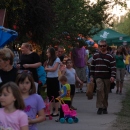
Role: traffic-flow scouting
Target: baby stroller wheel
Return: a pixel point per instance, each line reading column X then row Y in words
column 76, row 120
column 62, row 120
column 70, row 120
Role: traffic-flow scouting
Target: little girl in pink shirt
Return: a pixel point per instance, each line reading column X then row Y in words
column 12, row 116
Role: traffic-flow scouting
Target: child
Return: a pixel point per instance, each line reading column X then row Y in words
column 52, row 82
column 12, row 116
column 33, row 102
column 64, row 94
column 71, row 75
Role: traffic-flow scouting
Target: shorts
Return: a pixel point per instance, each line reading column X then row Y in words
column 81, row 73
column 120, row 74
column 72, row 92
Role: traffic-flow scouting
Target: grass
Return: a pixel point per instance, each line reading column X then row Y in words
column 123, row 119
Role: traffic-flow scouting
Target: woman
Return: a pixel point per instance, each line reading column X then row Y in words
column 29, row 60
column 7, row 71
column 120, row 68
column 52, row 68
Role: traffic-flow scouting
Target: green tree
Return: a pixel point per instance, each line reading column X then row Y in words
column 124, row 25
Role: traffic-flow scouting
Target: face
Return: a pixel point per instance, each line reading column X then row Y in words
column 119, row 49
column 69, row 64
column 60, row 51
column 25, row 86
column 48, row 53
column 7, row 98
column 3, row 64
column 24, row 49
column 103, row 46
column 63, row 82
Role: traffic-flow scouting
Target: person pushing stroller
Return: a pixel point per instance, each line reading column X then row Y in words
column 64, row 94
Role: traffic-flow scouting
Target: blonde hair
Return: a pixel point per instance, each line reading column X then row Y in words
column 7, row 54
column 27, row 45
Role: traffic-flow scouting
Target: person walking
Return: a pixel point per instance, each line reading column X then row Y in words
column 104, row 71
column 79, row 59
column 120, row 68
column 64, row 94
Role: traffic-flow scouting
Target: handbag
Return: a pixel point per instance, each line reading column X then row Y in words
column 89, row 92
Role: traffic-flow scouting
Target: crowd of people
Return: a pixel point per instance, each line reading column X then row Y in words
column 20, row 84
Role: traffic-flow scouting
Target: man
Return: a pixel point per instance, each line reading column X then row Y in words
column 60, row 53
column 104, row 71
column 79, row 59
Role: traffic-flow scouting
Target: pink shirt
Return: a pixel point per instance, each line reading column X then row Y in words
column 12, row 121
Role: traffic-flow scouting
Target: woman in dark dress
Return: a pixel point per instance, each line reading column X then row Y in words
column 30, row 61
column 7, row 71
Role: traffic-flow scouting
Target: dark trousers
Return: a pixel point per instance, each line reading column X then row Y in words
column 61, row 111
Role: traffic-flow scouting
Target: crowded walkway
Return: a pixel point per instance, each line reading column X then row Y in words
column 88, row 118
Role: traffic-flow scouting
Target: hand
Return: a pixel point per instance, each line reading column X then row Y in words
column 60, row 92
column 59, row 97
column 112, row 79
column 30, row 121
column 91, row 79
column 26, row 65
column 18, row 66
column 81, row 82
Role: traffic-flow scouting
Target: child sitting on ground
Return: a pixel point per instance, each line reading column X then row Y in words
column 64, row 94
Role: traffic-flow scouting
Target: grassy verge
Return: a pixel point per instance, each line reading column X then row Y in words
column 123, row 119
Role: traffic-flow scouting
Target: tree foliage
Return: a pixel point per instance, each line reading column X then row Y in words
column 124, row 25
column 56, row 21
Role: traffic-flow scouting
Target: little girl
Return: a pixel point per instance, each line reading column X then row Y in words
column 12, row 116
column 52, row 68
column 33, row 102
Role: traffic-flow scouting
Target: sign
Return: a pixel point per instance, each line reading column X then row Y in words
column 2, row 16
column 104, row 34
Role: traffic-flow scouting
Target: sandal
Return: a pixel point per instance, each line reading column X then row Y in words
column 57, row 120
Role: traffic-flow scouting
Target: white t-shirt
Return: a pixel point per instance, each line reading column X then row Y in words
column 70, row 75
column 54, row 74
column 12, row 121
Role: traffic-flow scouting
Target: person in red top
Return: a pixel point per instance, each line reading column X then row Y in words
column 103, row 69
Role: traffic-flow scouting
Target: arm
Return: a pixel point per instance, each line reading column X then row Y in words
column 113, row 69
column 65, row 92
column 54, row 68
column 24, row 128
column 40, row 118
column 92, row 69
column 35, row 65
column 77, row 78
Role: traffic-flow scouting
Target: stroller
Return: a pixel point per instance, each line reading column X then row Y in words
column 69, row 114
column 47, row 108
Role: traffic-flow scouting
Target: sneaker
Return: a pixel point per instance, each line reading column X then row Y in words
column 105, row 111
column 77, row 90
column 99, row 112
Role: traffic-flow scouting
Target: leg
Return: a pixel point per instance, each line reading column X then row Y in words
column 106, row 92
column 117, row 79
column 100, row 95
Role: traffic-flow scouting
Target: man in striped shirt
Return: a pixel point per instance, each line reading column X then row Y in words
column 103, row 69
